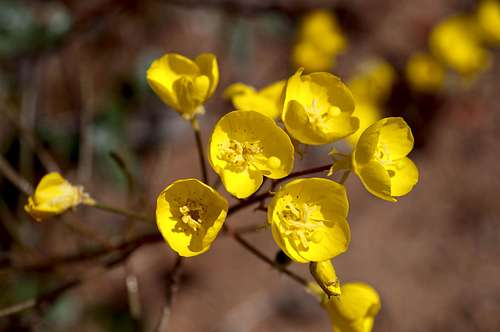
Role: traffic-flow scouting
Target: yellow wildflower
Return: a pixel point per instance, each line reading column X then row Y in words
column 326, row 277
column 184, row 84
column 488, row 17
column 424, row 73
column 456, row 42
column 266, row 101
column 308, row 219
column 319, row 41
column 367, row 113
column 380, row 161
column 189, row 215
column 54, row 195
column 244, row 147
column 355, row 309
column 373, row 82
column 318, row 108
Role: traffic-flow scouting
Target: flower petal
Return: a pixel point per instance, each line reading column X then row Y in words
column 376, row 180
column 243, row 183
column 405, row 176
column 207, row 62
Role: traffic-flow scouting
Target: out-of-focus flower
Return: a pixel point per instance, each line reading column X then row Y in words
column 318, row 108
column 182, row 83
column 424, row 73
column 488, row 17
column 189, row 215
column 266, row 101
column 326, row 277
column 244, row 147
column 308, row 219
column 456, row 42
column 54, row 195
column 373, row 82
column 355, row 309
column 380, row 161
column 367, row 113
column 319, row 41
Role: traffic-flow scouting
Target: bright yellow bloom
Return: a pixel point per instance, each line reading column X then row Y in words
column 184, row 84
column 54, row 195
column 326, row 277
column 189, row 215
column 318, row 108
column 355, row 309
column 266, row 101
column 319, row 41
column 488, row 17
column 380, row 161
column 424, row 73
column 244, row 147
column 373, row 82
column 367, row 113
column 308, row 219
column 456, row 42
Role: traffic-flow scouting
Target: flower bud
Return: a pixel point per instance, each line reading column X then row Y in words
column 326, row 277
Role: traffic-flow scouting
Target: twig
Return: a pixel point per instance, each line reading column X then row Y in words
column 172, row 288
column 122, row 212
column 199, row 146
column 16, row 179
column 85, row 149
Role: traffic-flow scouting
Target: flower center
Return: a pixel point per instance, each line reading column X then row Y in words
column 239, row 154
column 300, row 223
column 319, row 115
column 191, row 214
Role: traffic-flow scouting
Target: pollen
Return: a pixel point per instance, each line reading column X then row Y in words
column 300, row 222
column 191, row 214
column 240, row 154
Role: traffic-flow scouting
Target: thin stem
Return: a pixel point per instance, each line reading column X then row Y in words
column 257, row 253
column 16, row 179
column 199, row 145
column 121, row 211
column 345, row 176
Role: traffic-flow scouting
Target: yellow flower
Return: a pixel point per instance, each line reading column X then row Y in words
column 189, row 215
column 380, row 161
column 266, row 101
column 326, row 277
column 308, row 219
column 53, row 196
column 318, row 108
column 424, row 73
column 355, row 309
column 367, row 113
column 244, row 147
column 319, row 41
column 488, row 16
column 184, row 84
column 373, row 82
column 456, row 42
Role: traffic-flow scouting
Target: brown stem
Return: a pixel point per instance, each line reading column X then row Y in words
column 199, row 146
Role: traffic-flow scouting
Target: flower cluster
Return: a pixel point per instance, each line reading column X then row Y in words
column 459, row 42
column 308, row 217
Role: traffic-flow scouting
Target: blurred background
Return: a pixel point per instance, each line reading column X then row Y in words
column 74, row 98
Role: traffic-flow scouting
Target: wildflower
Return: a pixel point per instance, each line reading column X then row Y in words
column 424, row 73
column 266, row 101
column 189, row 215
column 373, row 82
column 244, row 147
column 456, row 42
column 184, row 84
column 319, row 41
column 318, row 108
column 488, row 17
column 367, row 113
column 54, row 195
column 326, row 277
column 380, row 161
column 355, row 309
column 308, row 219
